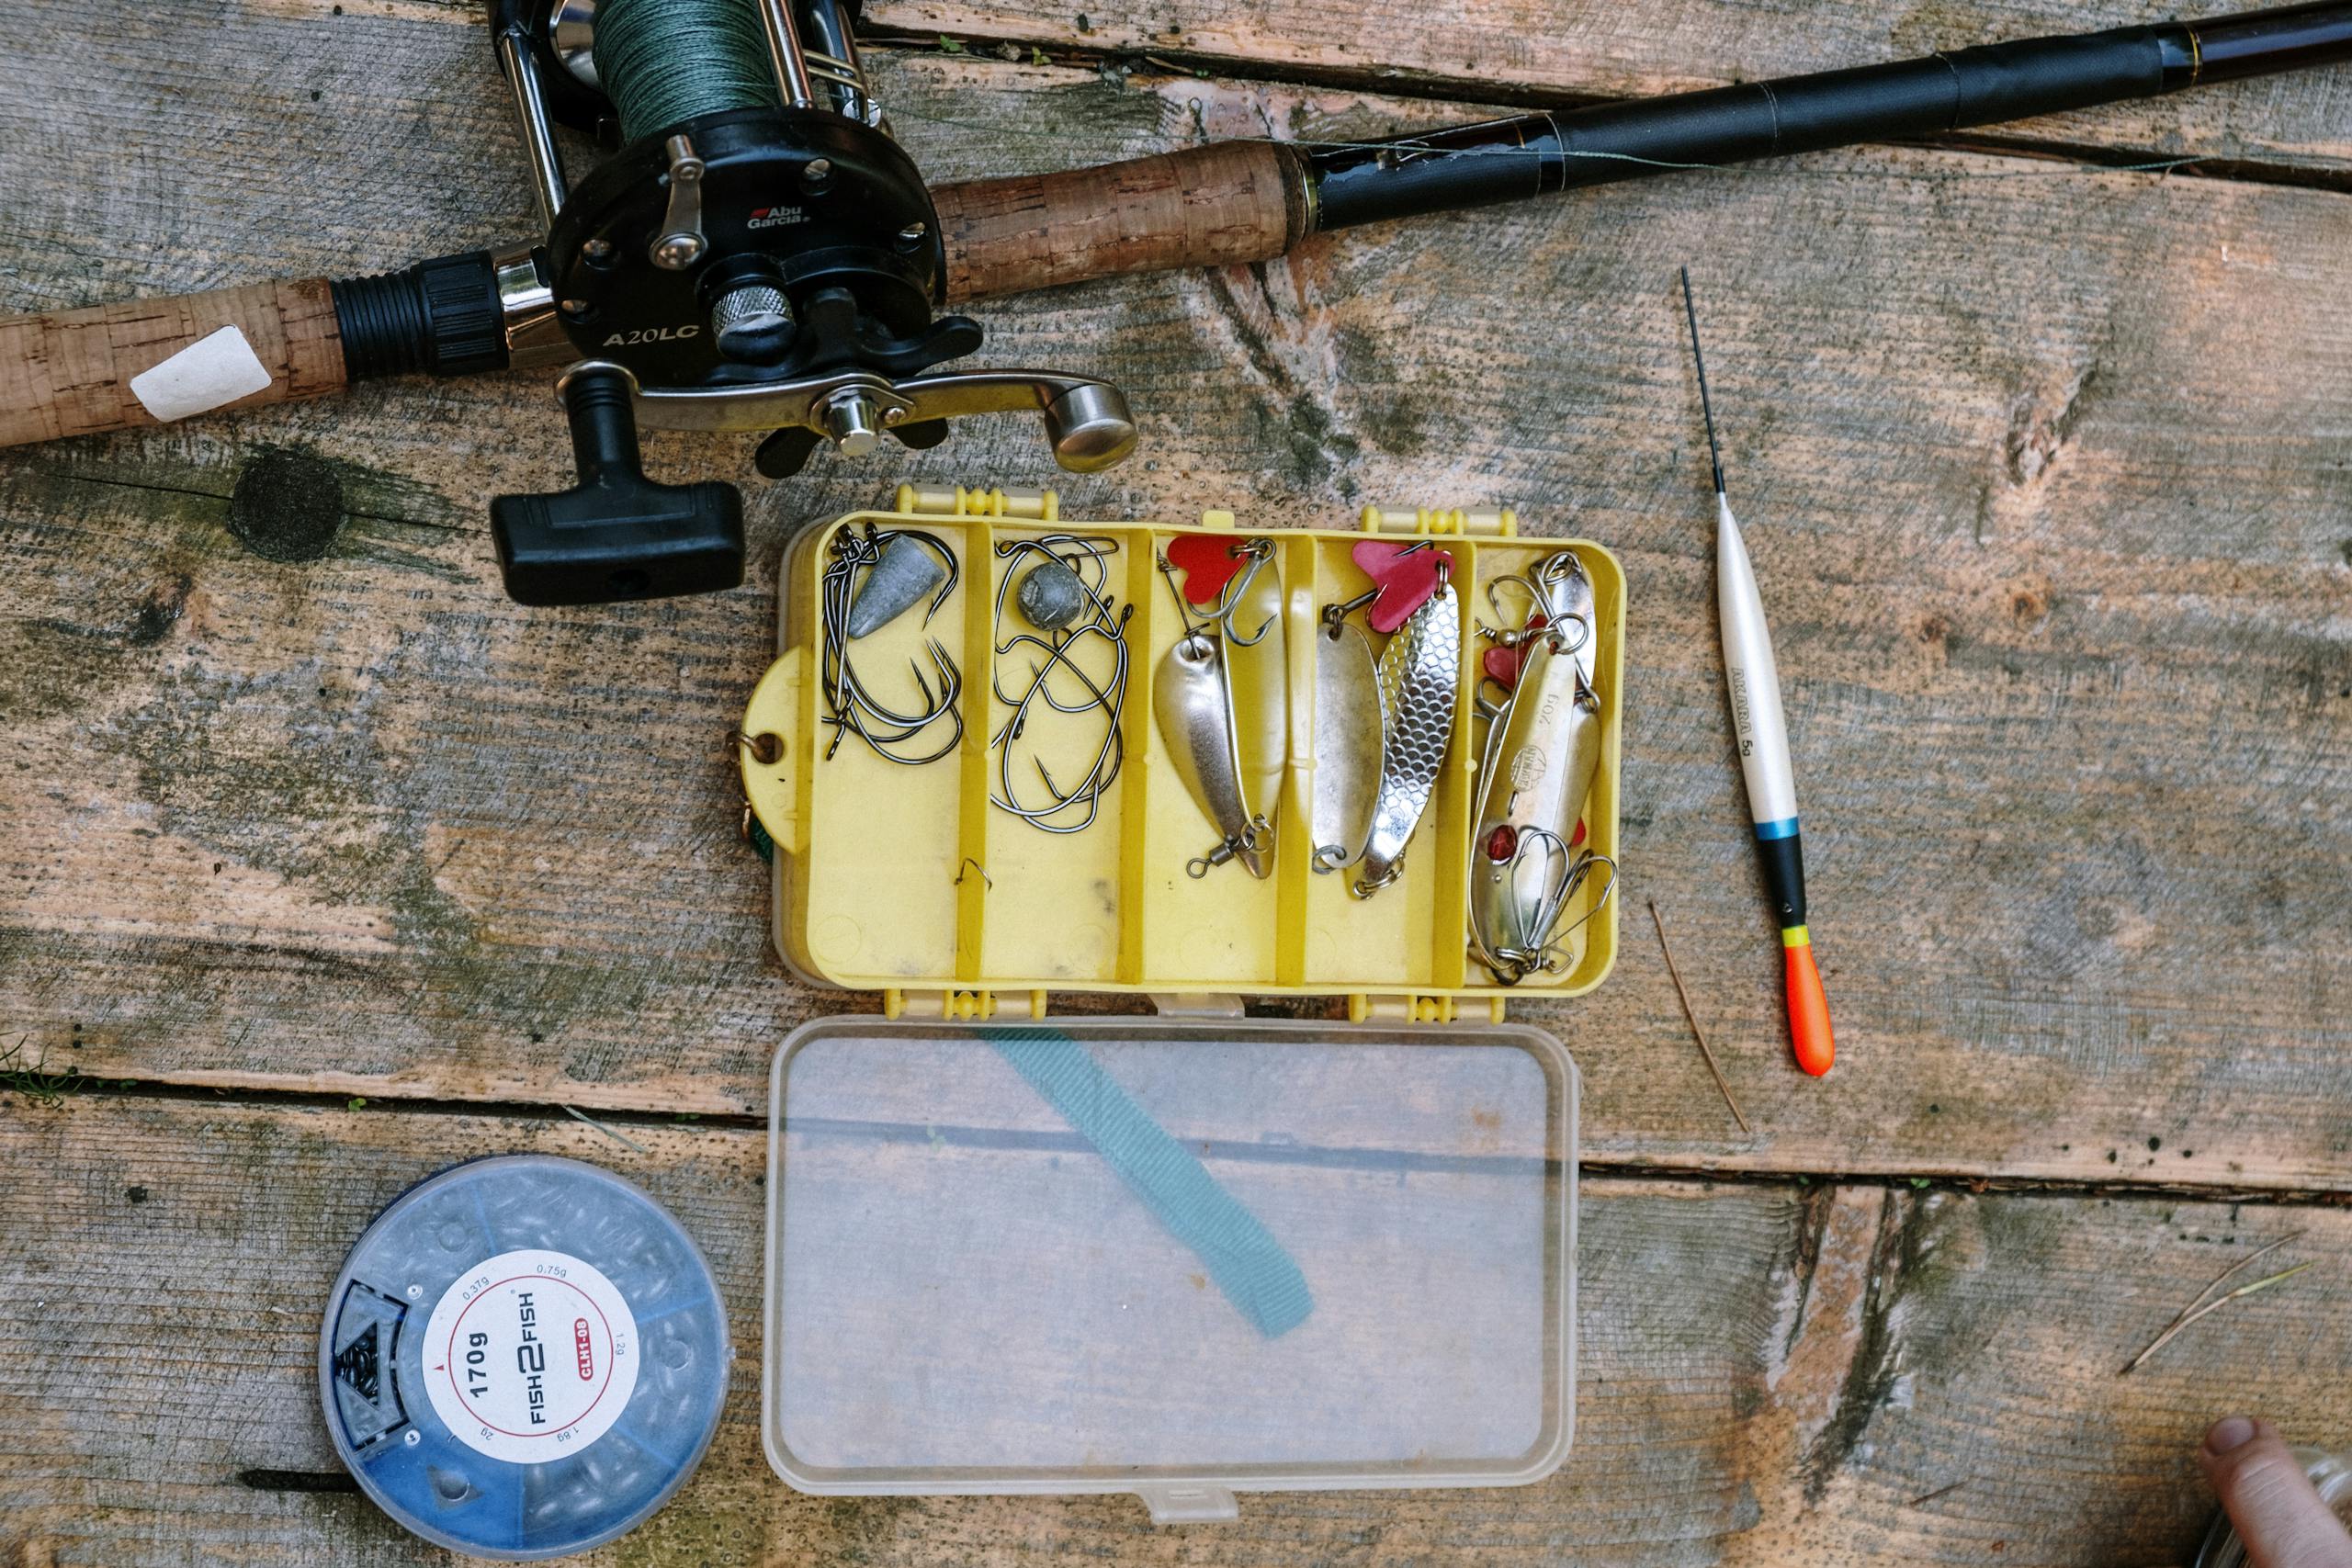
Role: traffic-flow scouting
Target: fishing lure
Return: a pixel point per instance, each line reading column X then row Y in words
column 1419, row 672
column 1188, row 701
column 1257, row 686
column 1228, row 579
column 1541, row 754
column 1348, row 745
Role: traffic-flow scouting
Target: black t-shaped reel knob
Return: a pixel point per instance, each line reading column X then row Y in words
column 616, row 534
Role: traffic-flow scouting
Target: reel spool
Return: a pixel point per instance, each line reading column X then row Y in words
column 753, row 253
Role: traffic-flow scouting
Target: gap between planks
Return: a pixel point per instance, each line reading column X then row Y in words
column 608, row 1119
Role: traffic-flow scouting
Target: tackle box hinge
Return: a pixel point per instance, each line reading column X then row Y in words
column 1368, row 1007
column 967, row 1007
column 1217, row 517
column 1480, row 523
column 955, row 501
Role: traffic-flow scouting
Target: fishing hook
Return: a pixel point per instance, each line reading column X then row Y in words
column 1104, row 620
column 851, row 707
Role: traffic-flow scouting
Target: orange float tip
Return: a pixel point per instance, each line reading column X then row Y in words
column 1809, row 1033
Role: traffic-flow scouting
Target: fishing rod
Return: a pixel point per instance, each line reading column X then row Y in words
column 753, row 251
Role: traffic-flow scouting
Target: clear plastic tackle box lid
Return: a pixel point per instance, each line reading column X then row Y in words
column 1174, row 1257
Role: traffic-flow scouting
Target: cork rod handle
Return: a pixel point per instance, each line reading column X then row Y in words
column 1219, row 205
column 73, row 372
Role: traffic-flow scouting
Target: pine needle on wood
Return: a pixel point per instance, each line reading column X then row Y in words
column 1705, row 1049
column 2201, row 1306
column 623, row 1139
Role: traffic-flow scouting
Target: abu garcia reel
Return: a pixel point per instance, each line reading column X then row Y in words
column 753, row 253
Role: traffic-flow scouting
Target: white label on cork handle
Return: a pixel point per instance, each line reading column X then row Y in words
column 200, row 378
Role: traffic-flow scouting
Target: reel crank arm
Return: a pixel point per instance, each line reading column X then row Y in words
column 1087, row 421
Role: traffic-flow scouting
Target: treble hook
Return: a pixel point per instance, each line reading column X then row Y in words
column 1260, row 552
column 1495, row 607
column 1251, row 838
column 1514, row 961
column 1220, row 615
column 1184, row 612
column 1336, row 612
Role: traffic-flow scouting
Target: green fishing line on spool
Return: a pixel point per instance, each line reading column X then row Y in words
column 662, row 61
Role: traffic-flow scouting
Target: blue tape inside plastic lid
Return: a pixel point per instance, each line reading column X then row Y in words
column 1249, row 1265
column 523, row 1357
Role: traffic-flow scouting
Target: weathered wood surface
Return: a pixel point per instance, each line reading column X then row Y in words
column 2046, row 475
column 2049, row 480
column 1548, row 54
column 1768, row 1374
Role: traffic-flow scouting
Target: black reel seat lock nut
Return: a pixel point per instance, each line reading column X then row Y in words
column 616, row 534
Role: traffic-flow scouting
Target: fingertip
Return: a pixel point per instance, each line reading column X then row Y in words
column 2263, row 1487
column 2230, row 1432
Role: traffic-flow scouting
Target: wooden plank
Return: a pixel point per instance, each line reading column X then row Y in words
column 1768, row 1374
column 247, row 143
column 1553, row 55
column 2047, row 514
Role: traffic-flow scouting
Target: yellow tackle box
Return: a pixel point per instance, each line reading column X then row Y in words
column 904, row 880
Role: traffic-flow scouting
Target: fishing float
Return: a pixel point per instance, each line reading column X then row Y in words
column 1754, row 680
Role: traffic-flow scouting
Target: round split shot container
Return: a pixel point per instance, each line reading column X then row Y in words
column 523, row 1357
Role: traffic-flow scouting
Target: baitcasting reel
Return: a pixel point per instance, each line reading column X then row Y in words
column 753, row 253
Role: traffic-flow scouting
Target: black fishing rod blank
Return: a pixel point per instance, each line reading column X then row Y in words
column 1537, row 154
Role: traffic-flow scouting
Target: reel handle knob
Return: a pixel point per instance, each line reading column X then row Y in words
column 1091, row 427
column 616, row 534
column 854, row 423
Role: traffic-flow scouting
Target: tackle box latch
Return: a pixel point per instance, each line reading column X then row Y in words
column 1189, row 1505
column 964, row 1006
column 764, row 751
column 1198, row 1004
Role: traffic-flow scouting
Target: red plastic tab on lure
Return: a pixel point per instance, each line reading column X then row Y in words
column 1402, row 578
column 1504, row 666
column 1208, row 564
